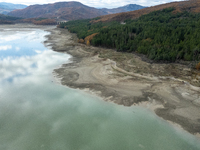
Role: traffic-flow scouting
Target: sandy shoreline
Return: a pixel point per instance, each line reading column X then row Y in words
column 127, row 80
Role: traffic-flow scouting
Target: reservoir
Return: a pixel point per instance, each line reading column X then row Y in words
column 37, row 113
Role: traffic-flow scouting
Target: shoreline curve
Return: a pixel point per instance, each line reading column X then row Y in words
column 126, row 79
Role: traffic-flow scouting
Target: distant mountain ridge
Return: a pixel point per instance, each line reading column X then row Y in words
column 185, row 5
column 68, row 11
column 5, row 8
column 126, row 8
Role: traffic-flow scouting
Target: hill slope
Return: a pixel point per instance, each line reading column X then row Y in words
column 64, row 10
column 4, row 19
column 169, row 34
column 126, row 8
column 67, row 10
column 190, row 5
column 5, row 8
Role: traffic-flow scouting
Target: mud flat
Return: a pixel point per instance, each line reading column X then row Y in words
column 170, row 90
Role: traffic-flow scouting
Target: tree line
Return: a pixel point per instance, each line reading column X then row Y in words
column 4, row 19
column 161, row 35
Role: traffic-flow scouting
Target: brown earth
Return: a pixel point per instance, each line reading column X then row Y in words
column 129, row 79
column 68, row 11
column 60, row 10
column 187, row 5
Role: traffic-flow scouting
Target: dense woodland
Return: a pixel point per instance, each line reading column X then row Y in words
column 4, row 19
column 161, row 35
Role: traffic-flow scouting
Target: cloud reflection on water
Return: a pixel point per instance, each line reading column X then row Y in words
column 39, row 64
column 22, row 43
column 27, row 57
column 5, row 47
column 36, row 114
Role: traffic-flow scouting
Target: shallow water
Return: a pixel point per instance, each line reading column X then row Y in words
column 38, row 114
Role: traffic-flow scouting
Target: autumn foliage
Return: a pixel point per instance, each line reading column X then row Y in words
column 87, row 40
column 81, row 41
column 88, row 43
column 161, row 35
column 90, row 37
column 65, row 10
column 38, row 21
column 45, row 22
column 198, row 66
column 189, row 5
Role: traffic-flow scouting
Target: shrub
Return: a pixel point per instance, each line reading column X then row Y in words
column 198, row 66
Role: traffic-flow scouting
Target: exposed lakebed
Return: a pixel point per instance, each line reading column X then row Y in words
column 36, row 113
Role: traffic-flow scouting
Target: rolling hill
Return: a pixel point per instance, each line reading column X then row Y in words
column 126, row 8
column 4, row 19
column 168, row 32
column 5, row 8
column 67, row 10
column 189, row 5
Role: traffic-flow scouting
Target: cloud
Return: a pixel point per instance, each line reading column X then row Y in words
column 17, row 48
column 5, row 47
column 38, row 51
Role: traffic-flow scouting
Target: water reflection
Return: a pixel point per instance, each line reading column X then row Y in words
column 26, row 55
column 37, row 114
column 39, row 65
column 16, row 44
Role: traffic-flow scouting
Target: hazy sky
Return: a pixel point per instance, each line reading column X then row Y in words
column 95, row 3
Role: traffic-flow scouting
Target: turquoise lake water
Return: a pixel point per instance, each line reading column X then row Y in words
column 36, row 113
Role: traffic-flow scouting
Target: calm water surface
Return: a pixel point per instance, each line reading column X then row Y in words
column 38, row 114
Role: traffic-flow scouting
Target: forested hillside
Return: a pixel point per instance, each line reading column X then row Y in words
column 161, row 35
column 4, row 19
column 180, row 6
column 65, row 10
column 68, row 11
